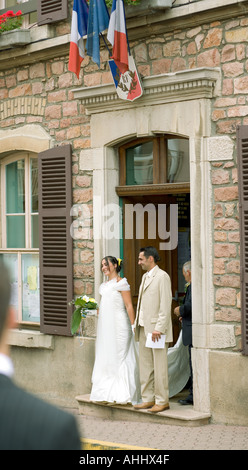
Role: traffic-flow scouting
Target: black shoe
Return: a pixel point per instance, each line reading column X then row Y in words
column 187, row 401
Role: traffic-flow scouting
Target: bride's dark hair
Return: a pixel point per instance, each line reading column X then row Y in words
column 114, row 261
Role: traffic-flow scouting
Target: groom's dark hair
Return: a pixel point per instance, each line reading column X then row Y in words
column 150, row 251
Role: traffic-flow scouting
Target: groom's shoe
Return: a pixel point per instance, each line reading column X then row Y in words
column 158, row 408
column 144, row 406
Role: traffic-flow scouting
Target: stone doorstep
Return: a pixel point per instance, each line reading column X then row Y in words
column 177, row 415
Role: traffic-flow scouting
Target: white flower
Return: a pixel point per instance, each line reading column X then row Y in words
column 86, row 298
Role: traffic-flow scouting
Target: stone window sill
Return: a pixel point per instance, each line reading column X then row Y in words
column 23, row 37
column 16, row 37
column 147, row 7
column 30, row 339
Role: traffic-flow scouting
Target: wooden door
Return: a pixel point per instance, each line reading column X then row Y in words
column 132, row 245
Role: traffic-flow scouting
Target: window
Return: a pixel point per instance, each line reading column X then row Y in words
column 163, row 159
column 139, row 161
column 37, row 11
column 20, row 236
column 39, row 255
column 29, row 18
column 177, row 160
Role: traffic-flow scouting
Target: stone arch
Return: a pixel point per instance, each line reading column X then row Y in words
column 31, row 138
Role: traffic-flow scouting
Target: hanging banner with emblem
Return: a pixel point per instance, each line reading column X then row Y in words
column 128, row 85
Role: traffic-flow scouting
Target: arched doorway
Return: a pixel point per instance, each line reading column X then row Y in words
column 154, row 194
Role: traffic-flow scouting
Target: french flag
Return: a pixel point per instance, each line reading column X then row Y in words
column 117, row 35
column 79, row 23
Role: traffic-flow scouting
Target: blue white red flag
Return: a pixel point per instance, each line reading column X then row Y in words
column 128, row 84
column 79, row 23
column 97, row 23
column 117, row 35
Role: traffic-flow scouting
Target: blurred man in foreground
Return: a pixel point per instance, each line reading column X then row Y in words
column 26, row 422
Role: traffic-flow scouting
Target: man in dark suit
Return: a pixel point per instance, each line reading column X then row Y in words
column 26, row 422
column 184, row 312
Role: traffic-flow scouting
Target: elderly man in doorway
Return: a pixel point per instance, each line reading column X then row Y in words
column 153, row 317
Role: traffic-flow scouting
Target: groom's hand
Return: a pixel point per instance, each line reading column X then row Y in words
column 156, row 335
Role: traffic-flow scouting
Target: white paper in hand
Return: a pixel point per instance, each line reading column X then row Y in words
column 155, row 344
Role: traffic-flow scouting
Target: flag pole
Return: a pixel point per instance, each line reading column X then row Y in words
column 104, row 40
column 129, row 50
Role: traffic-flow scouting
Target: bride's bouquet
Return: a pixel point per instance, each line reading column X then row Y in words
column 83, row 305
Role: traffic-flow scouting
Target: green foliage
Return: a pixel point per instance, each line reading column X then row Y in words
column 83, row 303
column 75, row 321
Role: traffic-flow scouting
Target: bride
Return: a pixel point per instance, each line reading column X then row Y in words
column 115, row 377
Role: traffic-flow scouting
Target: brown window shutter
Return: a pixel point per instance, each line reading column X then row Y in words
column 50, row 11
column 242, row 157
column 56, row 244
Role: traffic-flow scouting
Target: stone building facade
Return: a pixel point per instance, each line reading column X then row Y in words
column 193, row 60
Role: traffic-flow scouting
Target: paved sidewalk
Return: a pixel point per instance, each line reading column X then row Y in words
column 160, row 436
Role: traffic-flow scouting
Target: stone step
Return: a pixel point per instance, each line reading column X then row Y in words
column 177, row 414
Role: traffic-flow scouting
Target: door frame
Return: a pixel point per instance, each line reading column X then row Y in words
column 185, row 112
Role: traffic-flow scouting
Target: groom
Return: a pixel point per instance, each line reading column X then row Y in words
column 153, row 316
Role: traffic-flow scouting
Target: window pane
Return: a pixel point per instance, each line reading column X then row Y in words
column 34, row 203
column 15, row 231
column 11, row 261
column 33, row 17
column 30, row 288
column 178, row 161
column 35, row 231
column 139, row 164
column 15, row 188
column 34, row 185
column 10, row 3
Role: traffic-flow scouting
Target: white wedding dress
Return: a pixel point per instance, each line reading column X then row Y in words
column 115, row 377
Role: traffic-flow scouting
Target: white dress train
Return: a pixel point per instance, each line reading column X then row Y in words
column 178, row 367
column 115, row 377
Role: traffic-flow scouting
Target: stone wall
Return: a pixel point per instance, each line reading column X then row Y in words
column 226, row 245
column 41, row 94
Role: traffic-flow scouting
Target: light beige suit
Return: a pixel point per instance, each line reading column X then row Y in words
column 155, row 298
